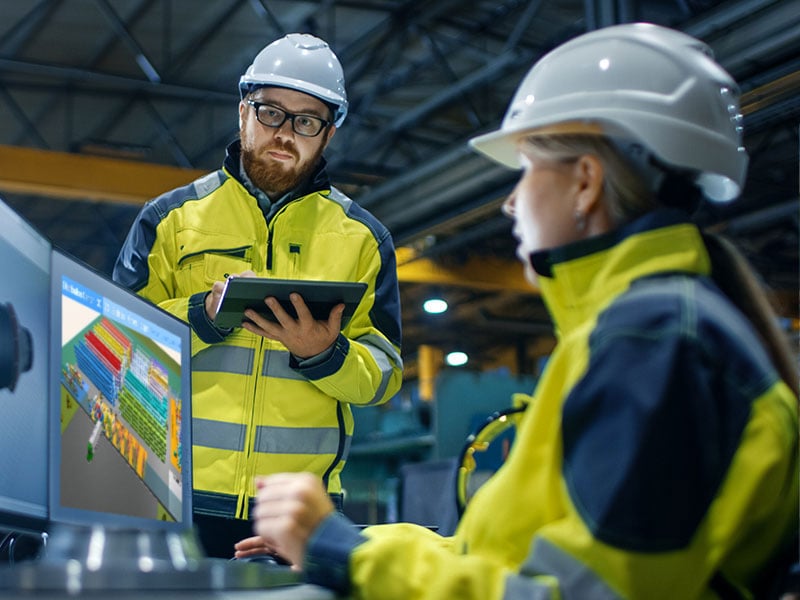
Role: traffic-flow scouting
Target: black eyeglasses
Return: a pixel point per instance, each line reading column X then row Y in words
column 272, row 116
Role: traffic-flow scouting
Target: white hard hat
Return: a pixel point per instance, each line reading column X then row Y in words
column 301, row 62
column 641, row 82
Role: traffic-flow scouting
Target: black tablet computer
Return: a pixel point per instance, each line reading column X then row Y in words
column 321, row 296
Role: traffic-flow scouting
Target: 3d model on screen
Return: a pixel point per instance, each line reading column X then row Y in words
column 118, row 385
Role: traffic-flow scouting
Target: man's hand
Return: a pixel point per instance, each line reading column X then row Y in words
column 252, row 546
column 304, row 337
column 213, row 297
column 289, row 507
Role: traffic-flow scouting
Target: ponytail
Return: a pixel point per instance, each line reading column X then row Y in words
column 737, row 280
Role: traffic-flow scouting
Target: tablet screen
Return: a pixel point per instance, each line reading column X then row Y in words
column 321, row 297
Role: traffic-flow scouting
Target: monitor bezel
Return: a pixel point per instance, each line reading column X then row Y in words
column 64, row 264
column 17, row 514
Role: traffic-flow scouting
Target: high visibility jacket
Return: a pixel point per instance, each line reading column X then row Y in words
column 256, row 409
column 658, row 457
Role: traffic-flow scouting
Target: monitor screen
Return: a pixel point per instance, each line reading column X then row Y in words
column 120, row 410
column 24, row 326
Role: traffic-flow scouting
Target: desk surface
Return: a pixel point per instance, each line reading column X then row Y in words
column 209, row 580
column 295, row 592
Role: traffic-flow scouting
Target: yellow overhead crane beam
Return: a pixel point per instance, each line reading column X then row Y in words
column 79, row 176
column 481, row 273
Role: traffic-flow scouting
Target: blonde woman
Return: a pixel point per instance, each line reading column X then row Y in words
column 658, row 455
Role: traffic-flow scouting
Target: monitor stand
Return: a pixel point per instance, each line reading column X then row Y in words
column 78, row 559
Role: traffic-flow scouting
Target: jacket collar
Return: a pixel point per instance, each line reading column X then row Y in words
column 579, row 280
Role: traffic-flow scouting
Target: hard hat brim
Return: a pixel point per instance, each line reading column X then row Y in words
column 501, row 145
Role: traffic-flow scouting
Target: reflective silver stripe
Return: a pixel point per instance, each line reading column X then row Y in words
column 297, row 440
column 207, row 184
column 384, row 346
column 575, row 580
column 276, row 364
column 340, row 199
column 219, row 358
column 522, row 588
column 218, row 434
column 381, row 351
column 274, row 440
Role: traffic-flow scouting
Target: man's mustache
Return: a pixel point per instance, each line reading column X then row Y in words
column 285, row 148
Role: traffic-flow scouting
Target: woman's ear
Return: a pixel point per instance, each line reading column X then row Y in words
column 591, row 209
column 590, row 176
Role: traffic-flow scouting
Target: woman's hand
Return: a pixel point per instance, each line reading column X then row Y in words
column 289, row 507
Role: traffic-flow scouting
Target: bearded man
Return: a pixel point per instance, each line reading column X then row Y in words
column 271, row 397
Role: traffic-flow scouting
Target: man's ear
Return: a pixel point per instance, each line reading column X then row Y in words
column 329, row 135
column 242, row 108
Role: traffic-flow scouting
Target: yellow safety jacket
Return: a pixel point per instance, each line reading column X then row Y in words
column 658, row 457
column 255, row 409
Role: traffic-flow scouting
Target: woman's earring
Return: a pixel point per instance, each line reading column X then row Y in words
column 580, row 221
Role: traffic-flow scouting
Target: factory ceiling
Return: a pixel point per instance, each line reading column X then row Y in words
column 106, row 103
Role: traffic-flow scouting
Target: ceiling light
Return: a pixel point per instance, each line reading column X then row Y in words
column 434, row 306
column 456, row 359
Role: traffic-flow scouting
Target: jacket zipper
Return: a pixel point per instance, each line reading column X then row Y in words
column 243, row 502
column 270, row 232
column 340, row 449
column 269, row 249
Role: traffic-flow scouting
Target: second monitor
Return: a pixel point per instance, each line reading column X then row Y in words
column 120, row 416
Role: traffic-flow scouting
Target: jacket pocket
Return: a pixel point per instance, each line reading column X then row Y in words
column 198, row 271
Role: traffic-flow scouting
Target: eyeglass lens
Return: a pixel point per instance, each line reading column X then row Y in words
column 272, row 116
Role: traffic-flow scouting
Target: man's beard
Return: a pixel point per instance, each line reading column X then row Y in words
column 270, row 176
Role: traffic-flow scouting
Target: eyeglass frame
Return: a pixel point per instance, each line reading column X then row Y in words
column 288, row 116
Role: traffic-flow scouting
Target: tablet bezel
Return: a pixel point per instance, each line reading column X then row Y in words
column 241, row 293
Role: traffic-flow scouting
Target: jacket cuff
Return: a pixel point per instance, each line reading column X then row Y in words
column 201, row 324
column 327, row 557
column 313, row 368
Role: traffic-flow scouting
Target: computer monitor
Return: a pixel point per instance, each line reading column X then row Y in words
column 120, row 406
column 24, row 326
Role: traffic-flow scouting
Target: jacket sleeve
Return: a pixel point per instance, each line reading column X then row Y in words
column 365, row 366
column 409, row 562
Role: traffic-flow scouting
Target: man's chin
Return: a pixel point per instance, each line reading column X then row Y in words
column 275, row 181
column 276, row 177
